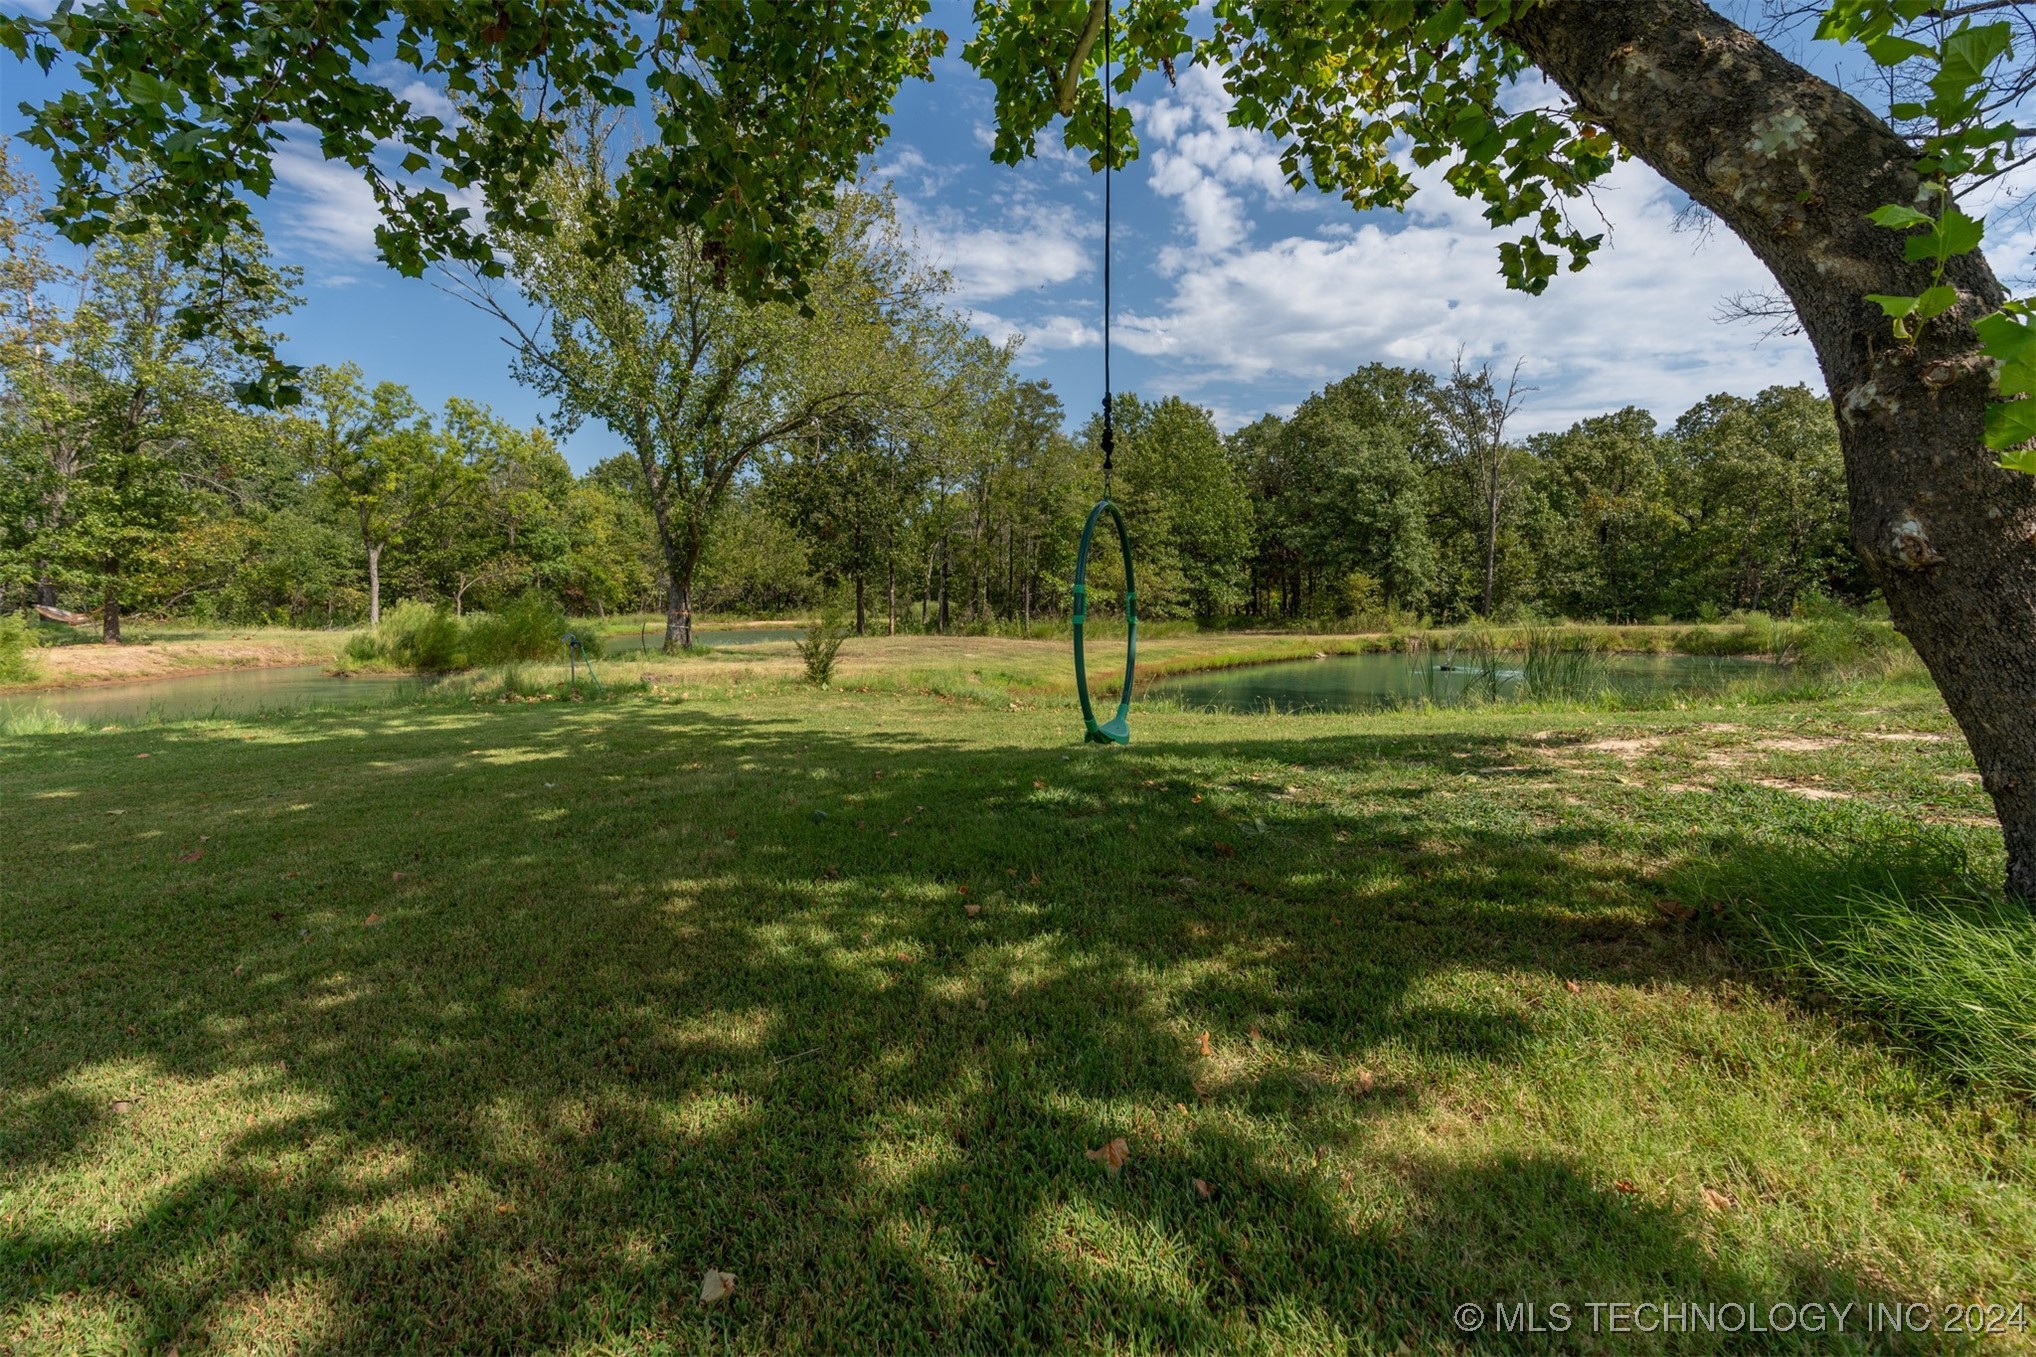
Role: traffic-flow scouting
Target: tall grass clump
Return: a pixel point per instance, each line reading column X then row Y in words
column 532, row 627
column 822, row 643
column 412, row 636
column 1902, row 936
column 430, row 640
column 18, row 644
column 1951, row 979
column 37, row 721
column 1563, row 664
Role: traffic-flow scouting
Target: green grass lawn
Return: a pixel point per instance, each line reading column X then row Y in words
column 492, row 1027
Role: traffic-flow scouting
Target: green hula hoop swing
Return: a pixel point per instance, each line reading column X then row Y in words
column 1117, row 729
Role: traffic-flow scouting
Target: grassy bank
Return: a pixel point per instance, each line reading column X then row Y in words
column 493, row 1025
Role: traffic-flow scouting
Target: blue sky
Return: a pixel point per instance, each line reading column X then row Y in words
column 1232, row 290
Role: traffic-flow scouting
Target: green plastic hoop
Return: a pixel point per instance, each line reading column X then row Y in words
column 1116, row 730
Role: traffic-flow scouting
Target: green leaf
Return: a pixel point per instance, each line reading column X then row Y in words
column 1895, row 307
column 2007, row 338
column 1935, row 301
column 1889, row 50
column 2009, row 425
column 1968, row 53
column 2021, row 459
column 1898, row 218
column 2016, row 379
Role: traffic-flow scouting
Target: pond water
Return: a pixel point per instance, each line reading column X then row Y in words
column 1375, row 682
column 629, row 642
column 232, row 692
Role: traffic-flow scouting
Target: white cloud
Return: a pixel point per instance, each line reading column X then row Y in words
column 1039, row 245
column 1247, row 311
column 326, row 204
column 328, row 208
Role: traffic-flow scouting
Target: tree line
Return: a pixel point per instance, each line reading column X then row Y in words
column 864, row 443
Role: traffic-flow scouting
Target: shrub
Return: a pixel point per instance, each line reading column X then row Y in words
column 532, row 627
column 18, row 643
column 824, row 635
column 413, row 636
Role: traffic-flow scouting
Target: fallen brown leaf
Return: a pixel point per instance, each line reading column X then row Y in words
column 1573, row 987
column 1197, row 799
column 1625, row 1187
column 395, row 876
column 716, row 1286
column 1207, row 1049
column 123, row 1106
column 1715, row 1200
column 1675, row 909
column 1203, row 1190
column 1224, row 850
column 1364, row 1082
column 1111, row 1156
column 191, row 856
column 972, row 910
column 373, row 919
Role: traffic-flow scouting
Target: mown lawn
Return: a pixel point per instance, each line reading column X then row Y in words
column 493, row 1027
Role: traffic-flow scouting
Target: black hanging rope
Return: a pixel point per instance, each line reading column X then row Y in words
column 1109, row 430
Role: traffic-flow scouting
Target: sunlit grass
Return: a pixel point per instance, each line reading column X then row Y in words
column 480, row 1024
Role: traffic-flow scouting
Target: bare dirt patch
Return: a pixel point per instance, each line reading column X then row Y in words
column 1628, row 747
column 1807, row 793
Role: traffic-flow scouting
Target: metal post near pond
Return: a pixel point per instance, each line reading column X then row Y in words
column 575, row 657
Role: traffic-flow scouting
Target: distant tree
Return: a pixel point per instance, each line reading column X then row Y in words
column 1761, row 485
column 128, row 415
column 378, row 459
column 1472, row 410
column 1609, row 528
column 1343, row 487
column 696, row 380
column 1189, row 514
column 849, row 489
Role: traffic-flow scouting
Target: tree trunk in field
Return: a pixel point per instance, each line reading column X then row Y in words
column 374, row 584
column 943, row 587
column 109, row 616
column 891, row 584
column 858, row 604
column 1793, row 165
column 45, row 589
column 679, row 614
column 1492, row 532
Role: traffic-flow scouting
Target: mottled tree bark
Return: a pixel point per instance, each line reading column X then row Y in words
column 1793, row 165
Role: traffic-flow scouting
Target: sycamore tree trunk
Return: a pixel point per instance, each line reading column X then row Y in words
column 374, row 584
column 1793, row 165
column 682, row 558
column 109, row 616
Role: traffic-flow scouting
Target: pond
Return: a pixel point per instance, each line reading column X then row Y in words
column 231, row 692
column 1383, row 681
column 653, row 638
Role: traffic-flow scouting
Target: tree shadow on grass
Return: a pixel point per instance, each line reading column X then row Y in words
column 611, row 1012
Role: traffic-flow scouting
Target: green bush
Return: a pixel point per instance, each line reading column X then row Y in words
column 822, row 642
column 532, row 627
column 18, row 644
column 431, row 640
column 413, row 636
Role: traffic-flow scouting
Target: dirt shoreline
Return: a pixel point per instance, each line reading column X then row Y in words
column 96, row 666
